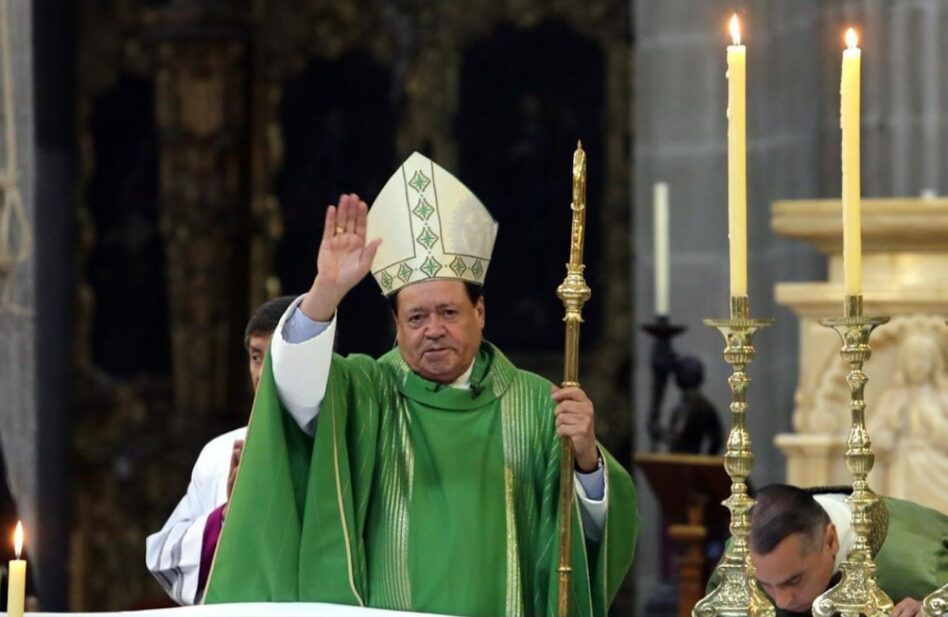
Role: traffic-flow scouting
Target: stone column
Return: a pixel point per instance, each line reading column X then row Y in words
column 201, row 108
column 904, row 97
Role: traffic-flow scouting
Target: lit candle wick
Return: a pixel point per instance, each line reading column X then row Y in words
column 18, row 539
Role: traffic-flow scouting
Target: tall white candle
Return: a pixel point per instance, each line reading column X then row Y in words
column 849, row 123
column 660, row 211
column 737, row 160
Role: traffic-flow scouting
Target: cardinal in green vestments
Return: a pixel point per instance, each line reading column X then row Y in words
column 427, row 479
column 800, row 537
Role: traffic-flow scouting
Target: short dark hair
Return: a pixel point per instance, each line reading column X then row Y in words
column 781, row 511
column 265, row 319
column 474, row 292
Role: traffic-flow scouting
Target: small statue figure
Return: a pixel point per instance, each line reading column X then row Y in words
column 695, row 426
column 910, row 425
column 663, row 359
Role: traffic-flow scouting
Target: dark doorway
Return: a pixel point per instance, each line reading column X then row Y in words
column 131, row 331
column 526, row 96
column 338, row 133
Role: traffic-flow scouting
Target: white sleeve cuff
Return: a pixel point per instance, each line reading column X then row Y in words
column 173, row 555
column 299, row 328
column 301, row 369
column 593, row 511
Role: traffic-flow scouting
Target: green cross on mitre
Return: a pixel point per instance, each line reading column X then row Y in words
column 419, row 181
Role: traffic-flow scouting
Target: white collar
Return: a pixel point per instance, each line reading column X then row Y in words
column 464, row 381
column 840, row 512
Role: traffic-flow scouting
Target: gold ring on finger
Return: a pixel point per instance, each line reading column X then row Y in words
column 340, row 229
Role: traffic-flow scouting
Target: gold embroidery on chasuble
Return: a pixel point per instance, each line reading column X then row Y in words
column 397, row 468
column 342, row 510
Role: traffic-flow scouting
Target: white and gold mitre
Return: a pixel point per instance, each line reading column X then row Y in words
column 432, row 227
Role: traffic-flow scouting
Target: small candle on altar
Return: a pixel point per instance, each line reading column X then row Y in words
column 16, row 590
column 737, row 160
column 660, row 210
column 849, row 123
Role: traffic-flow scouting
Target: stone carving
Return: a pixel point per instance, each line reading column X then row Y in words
column 910, row 426
column 694, row 425
column 906, row 412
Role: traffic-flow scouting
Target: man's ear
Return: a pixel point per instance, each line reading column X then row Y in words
column 480, row 309
column 831, row 538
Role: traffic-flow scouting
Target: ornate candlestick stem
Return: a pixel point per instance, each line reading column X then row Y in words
column 738, row 594
column 857, row 592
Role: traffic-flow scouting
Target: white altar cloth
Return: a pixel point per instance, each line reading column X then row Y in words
column 251, row 609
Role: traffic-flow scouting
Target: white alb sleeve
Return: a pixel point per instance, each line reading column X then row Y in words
column 301, row 369
column 593, row 511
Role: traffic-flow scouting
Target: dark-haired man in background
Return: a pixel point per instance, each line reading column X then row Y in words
column 179, row 555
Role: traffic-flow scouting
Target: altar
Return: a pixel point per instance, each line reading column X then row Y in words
column 251, row 609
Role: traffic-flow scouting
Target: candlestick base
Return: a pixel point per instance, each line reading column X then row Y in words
column 738, row 593
column 936, row 603
column 736, row 596
column 857, row 592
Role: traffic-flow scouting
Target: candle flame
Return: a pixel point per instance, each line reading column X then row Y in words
column 851, row 39
column 735, row 29
column 18, row 539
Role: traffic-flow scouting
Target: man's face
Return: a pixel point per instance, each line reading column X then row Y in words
column 798, row 569
column 438, row 329
column 256, row 349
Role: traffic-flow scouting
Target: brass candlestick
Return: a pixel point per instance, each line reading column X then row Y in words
column 738, row 593
column 857, row 592
column 574, row 292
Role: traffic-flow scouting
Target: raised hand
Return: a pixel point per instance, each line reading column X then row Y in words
column 344, row 257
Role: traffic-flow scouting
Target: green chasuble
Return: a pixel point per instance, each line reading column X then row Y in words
column 415, row 496
column 910, row 543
